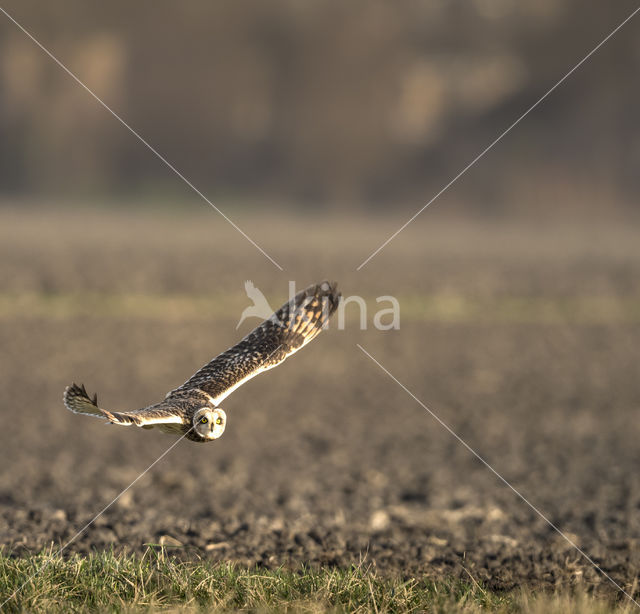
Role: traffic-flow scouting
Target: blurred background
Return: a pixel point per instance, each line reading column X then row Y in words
column 323, row 103
column 320, row 128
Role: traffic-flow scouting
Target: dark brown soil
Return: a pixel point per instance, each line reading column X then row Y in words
column 327, row 460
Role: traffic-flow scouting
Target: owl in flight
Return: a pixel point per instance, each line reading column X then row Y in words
column 193, row 409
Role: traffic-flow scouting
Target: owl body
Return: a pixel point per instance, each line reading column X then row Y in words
column 192, row 409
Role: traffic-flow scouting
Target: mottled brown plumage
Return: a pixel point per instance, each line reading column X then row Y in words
column 294, row 325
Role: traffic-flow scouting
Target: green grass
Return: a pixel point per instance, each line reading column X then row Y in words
column 436, row 307
column 158, row 582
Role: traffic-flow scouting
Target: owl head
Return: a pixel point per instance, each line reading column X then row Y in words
column 209, row 423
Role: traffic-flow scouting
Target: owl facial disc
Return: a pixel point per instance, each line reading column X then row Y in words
column 209, row 423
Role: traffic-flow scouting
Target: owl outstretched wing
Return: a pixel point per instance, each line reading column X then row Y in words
column 162, row 415
column 289, row 329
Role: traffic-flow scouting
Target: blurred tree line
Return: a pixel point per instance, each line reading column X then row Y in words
column 332, row 101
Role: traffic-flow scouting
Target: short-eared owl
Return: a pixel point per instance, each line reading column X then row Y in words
column 193, row 408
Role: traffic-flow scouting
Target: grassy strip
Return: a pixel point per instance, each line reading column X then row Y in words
column 158, row 582
column 438, row 307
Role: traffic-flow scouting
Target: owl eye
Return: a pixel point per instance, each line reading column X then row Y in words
column 204, row 420
column 218, row 420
